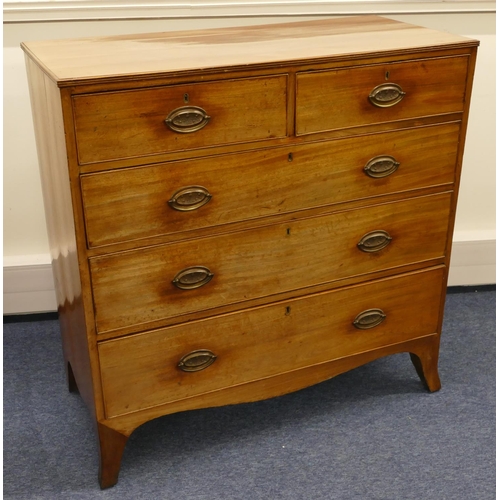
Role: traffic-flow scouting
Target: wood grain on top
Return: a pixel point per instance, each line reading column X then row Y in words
column 115, row 57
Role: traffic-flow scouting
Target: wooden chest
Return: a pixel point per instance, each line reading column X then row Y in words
column 235, row 214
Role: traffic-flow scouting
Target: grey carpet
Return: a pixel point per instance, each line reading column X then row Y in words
column 371, row 434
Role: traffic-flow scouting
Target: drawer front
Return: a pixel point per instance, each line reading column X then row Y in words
column 141, row 371
column 117, row 125
column 141, row 202
column 334, row 99
column 152, row 284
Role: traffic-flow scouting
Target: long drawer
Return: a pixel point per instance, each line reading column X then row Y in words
column 366, row 95
column 154, row 368
column 141, row 202
column 124, row 124
column 141, row 286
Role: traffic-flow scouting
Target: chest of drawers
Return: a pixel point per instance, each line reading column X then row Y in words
column 235, row 214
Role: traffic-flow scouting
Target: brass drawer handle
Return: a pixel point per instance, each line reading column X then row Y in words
column 196, row 361
column 192, row 277
column 187, row 119
column 374, row 241
column 189, row 198
column 369, row 319
column 381, row 166
column 386, row 95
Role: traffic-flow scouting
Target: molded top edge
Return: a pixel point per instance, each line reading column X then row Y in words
column 80, row 60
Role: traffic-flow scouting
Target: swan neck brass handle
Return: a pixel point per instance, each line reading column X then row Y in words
column 374, row 241
column 381, row 166
column 189, row 198
column 369, row 319
column 196, row 361
column 192, row 277
column 386, row 95
column 187, row 119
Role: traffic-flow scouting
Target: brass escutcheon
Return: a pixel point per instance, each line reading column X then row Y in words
column 374, row 241
column 196, row 361
column 189, row 198
column 369, row 319
column 187, row 119
column 381, row 166
column 386, row 95
column 192, row 277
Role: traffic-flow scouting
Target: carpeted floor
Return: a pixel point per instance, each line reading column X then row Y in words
column 371, row 434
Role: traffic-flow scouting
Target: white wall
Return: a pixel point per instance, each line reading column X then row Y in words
column 27, row 279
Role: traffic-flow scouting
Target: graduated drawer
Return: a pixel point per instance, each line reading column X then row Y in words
column 124, row 124
column 150, row 369
column 141, row 202
column 334, row 99
column 136, row 288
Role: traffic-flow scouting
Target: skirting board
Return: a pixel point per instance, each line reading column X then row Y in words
column 29, row 287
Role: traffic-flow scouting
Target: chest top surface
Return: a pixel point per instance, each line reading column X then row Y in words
column 83, row 60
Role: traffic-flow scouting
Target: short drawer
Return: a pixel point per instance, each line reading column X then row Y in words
column 144, row 122
column 134, row 288
column 154, row 368
column 367, row 95
column 128, row 204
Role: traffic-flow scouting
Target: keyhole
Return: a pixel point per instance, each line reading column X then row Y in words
column 186, row 98
column 287, row 310
column 290, row 156
column 288, row 231
column 387, row 73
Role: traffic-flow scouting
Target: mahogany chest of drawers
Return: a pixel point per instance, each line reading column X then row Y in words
column 239, row 213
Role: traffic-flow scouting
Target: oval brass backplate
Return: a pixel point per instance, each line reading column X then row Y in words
column 189, row 198
column 386, row 95
column 196, row 361
column 192, row 277
column 187, row 119
column 369, row 319
column 374, row 241
column 381, row 166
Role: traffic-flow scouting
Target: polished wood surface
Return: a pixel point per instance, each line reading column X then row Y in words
column 128, row 56
column 284, row 383
column 129, row 204
column 286, row 204
column 132, row 289
column 54, row 175
column 140, row 371
column 124, row 124
column 329, row 100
